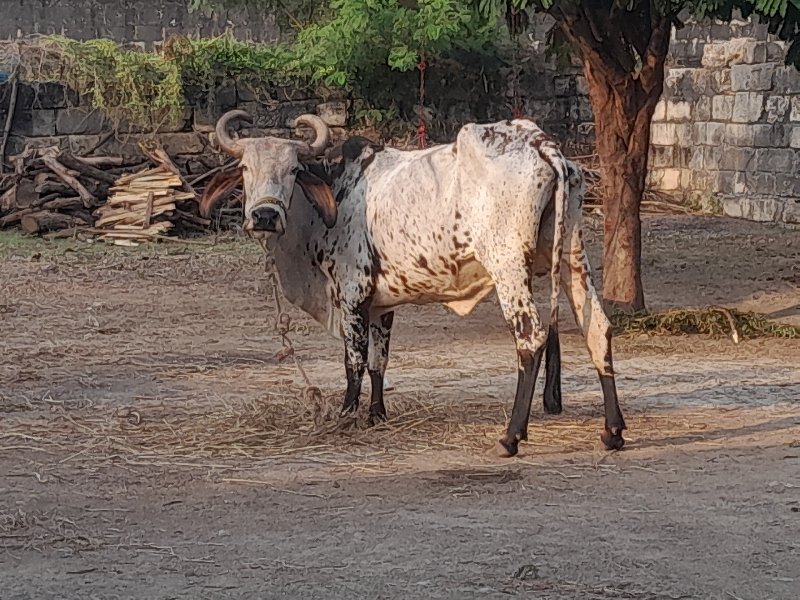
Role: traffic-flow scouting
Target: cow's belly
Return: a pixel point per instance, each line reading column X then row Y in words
column 461, row 290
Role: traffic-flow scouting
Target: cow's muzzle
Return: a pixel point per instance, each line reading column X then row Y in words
column 267, row 218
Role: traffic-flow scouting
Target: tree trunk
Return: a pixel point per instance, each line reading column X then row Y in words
column 623, row 52
column 623, row 113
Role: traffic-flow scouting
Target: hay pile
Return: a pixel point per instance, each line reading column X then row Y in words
column 713, row 320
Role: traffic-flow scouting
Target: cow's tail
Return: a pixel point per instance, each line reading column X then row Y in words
column 560, row 198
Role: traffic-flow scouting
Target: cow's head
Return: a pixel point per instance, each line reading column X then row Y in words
column 271, row 167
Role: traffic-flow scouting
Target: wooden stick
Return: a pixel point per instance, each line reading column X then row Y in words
column 134, row 215
column 148, row 211
column 101, row 161
column 119, row 208
column 9, row 117
column 59, row 170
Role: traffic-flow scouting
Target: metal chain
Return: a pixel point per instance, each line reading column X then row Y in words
column 283, row 326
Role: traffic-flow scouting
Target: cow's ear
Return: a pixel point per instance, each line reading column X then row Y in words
column 320, row 195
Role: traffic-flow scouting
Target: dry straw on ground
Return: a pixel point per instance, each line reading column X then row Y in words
column 712, row 320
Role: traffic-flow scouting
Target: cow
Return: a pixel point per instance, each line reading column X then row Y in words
column 360, row 229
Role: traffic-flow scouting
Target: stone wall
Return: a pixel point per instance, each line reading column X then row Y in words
column 140, row 22
column 726, row 134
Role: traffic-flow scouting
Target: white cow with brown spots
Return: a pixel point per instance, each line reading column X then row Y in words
column 366, row 229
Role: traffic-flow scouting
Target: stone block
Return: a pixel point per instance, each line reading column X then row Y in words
column 734, row 52
column 686, row 179
column 722, row 108
column 714, row 134
column 81, row 145
column 662, row 156
column 80, row 121
column 794, row 140
column 785, row 184
column 333, row 113
column 148, row 33
column 787, row 80
column 739, row 135
column 663, row 134
column 747, row 107
column 34, row 123
column 581, row 87
column 752, row 78
column 775, row 160
column 776, row 51
column 791, row 211
column 776, row 108
column 182, row 143
column 564, row 85
column 695, row 157
column 794, row 115
column 53, row 95
column 733, row 158
column 726, row 182
column 712, row 157
column 775, row 135
column 669, row 179
column 721, row 81
column 678, row 111
column 660, row 113
column 680, row 84
column 702, row 109
column 753, row 209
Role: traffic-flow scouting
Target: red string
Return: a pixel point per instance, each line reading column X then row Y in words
column 422, row 129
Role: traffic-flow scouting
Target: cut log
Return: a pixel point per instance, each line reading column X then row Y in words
column 53, row 187
column 8, row 199
column 15, row 216
column 62, row 172
column 45, row 221
column 71, row 162
column 26, row 193
column 73, row 203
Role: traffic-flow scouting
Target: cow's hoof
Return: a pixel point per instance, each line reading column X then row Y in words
column 612, row 438
column 377, row 418
column 506, row 449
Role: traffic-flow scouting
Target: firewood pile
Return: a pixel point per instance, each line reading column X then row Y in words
column 55, row 193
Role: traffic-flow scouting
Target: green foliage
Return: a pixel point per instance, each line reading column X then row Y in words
column 139, row 87
column 364, row 37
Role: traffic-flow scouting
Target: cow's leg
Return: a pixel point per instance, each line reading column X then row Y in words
column 355, row 325
column 516, row 300
column 380, row 332
column 596, row 330
column 552, row 381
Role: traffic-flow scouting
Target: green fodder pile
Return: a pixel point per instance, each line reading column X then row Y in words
column 142, row 88
column 713, row 320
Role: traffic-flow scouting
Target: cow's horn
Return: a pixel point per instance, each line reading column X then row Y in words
column 321, row 131
column 224, row 139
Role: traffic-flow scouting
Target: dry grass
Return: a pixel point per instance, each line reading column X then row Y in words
column 712, row 320
column 288, row 422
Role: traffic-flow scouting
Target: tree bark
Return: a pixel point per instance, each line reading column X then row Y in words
column 622, row 132
column 623, row 98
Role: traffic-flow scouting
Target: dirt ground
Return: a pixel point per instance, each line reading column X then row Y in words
column 151, row 445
